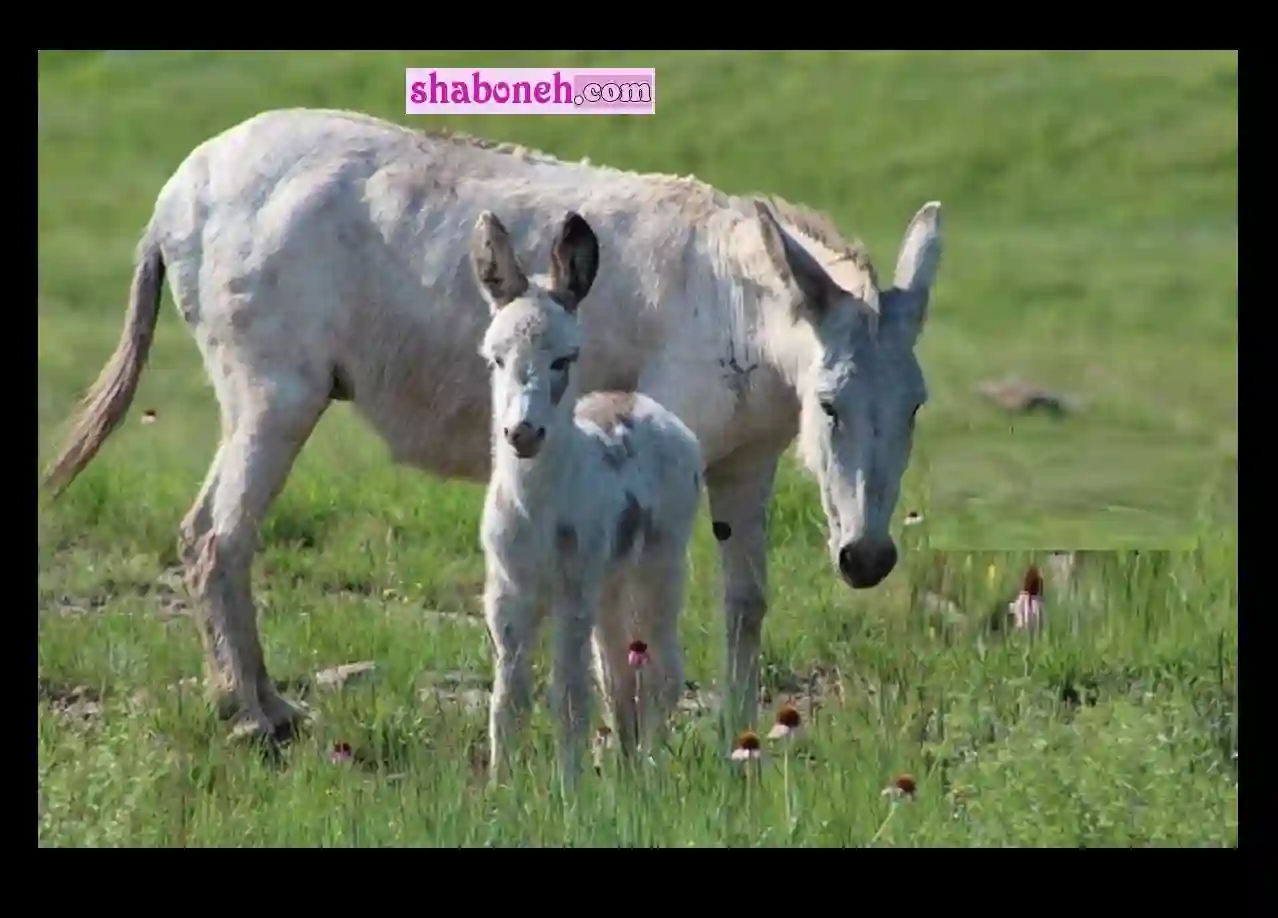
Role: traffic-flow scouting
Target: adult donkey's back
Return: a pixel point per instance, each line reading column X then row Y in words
column 324, row 255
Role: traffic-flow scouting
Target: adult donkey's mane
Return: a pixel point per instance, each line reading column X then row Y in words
column 821, row 227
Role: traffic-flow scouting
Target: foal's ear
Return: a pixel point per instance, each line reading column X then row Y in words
column 796, row 267
column 497, row 270
column 574, row 261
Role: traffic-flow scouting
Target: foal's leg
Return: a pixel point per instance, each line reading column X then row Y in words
column 659, row 596
column 740, row 489
column 575, row 612
column 218, row 543
column 513, row 616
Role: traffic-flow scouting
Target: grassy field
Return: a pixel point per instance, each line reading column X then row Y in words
column 1091, row 246
column 1117, row 726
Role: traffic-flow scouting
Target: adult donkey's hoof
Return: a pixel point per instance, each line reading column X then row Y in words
column 278, row 723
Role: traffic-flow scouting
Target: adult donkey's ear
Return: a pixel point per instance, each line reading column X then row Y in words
column 916, row 267
column 799, row 270
column 574, row 261
column 497, row 270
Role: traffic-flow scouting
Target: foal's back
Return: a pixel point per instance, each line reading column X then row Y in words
column 652, row 465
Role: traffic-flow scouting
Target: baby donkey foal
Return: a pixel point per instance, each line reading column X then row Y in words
column 589, row 511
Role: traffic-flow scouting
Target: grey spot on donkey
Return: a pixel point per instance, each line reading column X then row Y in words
column 632, row 520
column 560, row 386
column 566, row 539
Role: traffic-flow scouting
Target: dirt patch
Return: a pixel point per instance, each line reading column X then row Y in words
column 76, row 702
column 455, row 691
column 806, row 690
column 1023, row 397
column 336, row 677
column 396, row 603
column 942, row 608
column 167, row 590
column 697, row 701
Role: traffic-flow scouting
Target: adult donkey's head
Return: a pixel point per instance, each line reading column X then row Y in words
column 851, row 351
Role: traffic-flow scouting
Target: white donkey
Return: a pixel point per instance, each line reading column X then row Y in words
column 589, row 512
column 322, row 255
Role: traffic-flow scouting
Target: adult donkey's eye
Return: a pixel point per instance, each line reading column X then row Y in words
column 561, row 364
column 830, row 413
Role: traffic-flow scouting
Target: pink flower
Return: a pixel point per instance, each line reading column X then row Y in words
column 788, row 723
column 1027, row 609
column 904, row 786
column 638, row 654
column 746, row 747
column 341, row 753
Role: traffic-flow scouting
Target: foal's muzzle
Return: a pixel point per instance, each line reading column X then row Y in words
column 525, row 439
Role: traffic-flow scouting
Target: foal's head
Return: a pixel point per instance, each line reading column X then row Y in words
column 533, row 338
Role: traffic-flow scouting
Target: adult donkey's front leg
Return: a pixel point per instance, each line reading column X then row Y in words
column 740, row 489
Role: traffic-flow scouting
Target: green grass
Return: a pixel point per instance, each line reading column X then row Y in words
column 1091, row 245
column 1117, row 726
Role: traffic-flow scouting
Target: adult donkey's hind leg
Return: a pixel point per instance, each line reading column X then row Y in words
column 191, row 536
column 263, row 438
column 740, row 489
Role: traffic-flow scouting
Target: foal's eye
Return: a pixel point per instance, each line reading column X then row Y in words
column 498, row 362
column 830, row 413
column 561, row 364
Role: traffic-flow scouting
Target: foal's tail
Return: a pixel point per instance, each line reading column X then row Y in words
column 107, row 402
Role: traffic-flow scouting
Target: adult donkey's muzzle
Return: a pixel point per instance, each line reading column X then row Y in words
column 864, row 563
column 525, row 439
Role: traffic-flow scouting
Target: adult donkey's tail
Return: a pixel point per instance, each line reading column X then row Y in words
column 106, row 404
